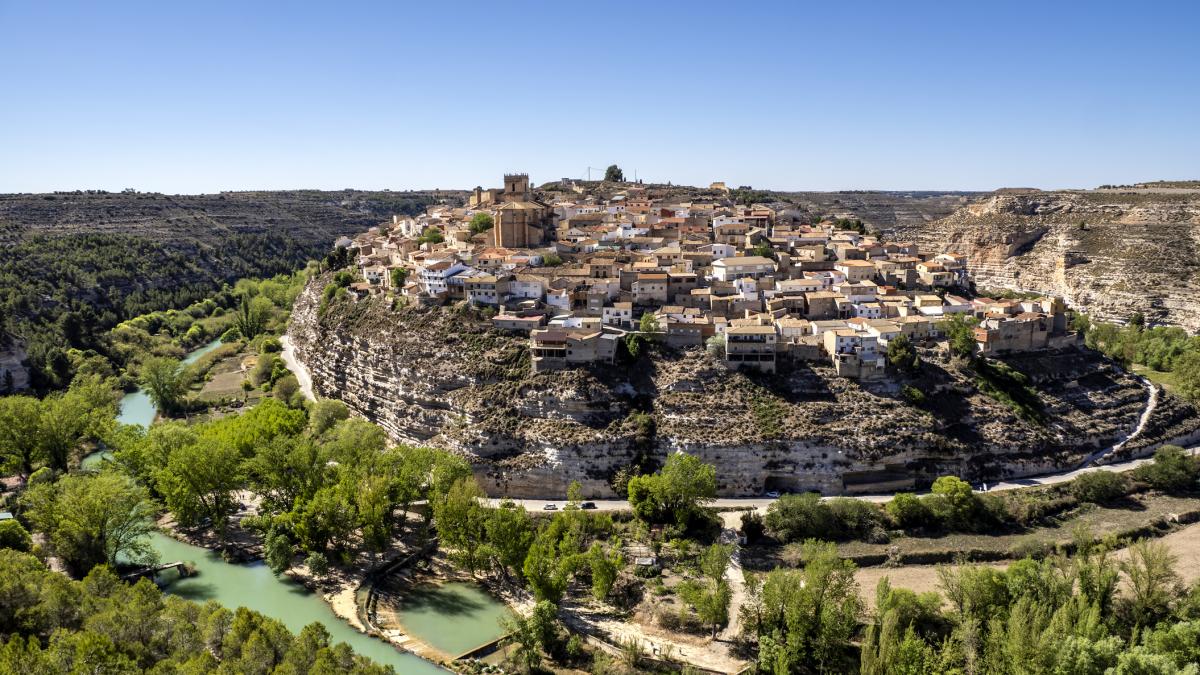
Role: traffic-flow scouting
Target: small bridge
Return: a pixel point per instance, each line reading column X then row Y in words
column 151, row 572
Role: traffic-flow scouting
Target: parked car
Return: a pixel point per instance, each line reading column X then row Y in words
column 550, row 507
column 772, row 495
column 588, row 505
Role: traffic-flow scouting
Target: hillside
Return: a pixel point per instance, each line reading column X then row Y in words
column 72, row 265
column 1111, row 252
column 442, row 377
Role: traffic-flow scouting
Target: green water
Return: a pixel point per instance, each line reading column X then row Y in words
column 453, row 618
column 254, row 587
column 137, row 408
column 195, row 354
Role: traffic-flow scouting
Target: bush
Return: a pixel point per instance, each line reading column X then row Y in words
column 912, row 395
column 1172, row 470
column 14, row 536
column 908, row 511
column 799, row 517
column 1098, row 487
column 270, row 345
column 855, row 518
column 955, row 505
column 753, row 526
column 804, row 516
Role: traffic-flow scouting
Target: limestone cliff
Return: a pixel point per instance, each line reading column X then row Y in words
column 442, row 377
column 1110, row 252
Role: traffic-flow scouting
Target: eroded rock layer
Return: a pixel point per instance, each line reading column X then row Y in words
column 442, row 377
column 1109, row 252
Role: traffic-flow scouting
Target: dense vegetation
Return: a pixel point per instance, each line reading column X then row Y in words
column 51, row 624
column 1164, row 349
column 1058, row 615
column 952, row 505
column 75, row 265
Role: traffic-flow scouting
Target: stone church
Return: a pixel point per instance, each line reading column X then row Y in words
column 520, row 221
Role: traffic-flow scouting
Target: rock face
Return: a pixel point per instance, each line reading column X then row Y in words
column 442, row 377
column 1109, row 252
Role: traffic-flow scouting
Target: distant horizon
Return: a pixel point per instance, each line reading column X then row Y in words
column 537, row 183
column 186, row 98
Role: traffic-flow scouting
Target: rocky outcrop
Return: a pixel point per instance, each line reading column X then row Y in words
column 441, row 377
column 1109, row 252
column 14, row 374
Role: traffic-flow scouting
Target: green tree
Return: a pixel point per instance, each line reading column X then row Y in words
column 509, row 533
column 481, row 222
column 806, row 619
column 278, row 551
column 714, row 560
column 84, row 413
column 1187, row 374
column 198, row 483
column 461, row 521
column 901, row 354
column 908, row 511
column 675, row 493
column 959, row 330
column 546, row 571
column 710, row 600
column 13, row 535
column 649, row 324
column 399, row 276
column 955, row 504
column 93, row 519
column 431, row 235
column 252, row 315
column 166, row 382
column 317, row 563
column 1153, row 582
column 605, row 568
column 613, row 174
column 326, row 413
column 20, row 447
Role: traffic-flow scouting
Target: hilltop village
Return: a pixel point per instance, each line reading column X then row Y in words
column 754, row 283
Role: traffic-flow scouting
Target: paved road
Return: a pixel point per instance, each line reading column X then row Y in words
column 761, row 503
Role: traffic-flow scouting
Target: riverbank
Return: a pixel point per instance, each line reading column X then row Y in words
column 295, row 598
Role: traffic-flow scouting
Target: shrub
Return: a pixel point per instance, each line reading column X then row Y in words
column 1098, row 487
column 753, row 526
column 955, row 504
column 799, row 517
column 908, row 511
column 1172, row 470
column 854, row 517
column 912, row 395
column 14, row 536
column 270, row 345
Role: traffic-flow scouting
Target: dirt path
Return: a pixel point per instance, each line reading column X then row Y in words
column 298, row 369
column 737, row 586
column 698, row 651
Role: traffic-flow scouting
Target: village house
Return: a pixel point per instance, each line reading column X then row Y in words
column 576, row 272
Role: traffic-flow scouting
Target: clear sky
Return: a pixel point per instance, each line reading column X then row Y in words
column 186, row 97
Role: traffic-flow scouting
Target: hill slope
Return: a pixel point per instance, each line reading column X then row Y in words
column 1111, row 252
column 73, row 265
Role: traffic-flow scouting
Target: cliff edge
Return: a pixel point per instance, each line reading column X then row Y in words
column 442, row 376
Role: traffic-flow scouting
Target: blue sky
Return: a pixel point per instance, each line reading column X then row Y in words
column 208, row 96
